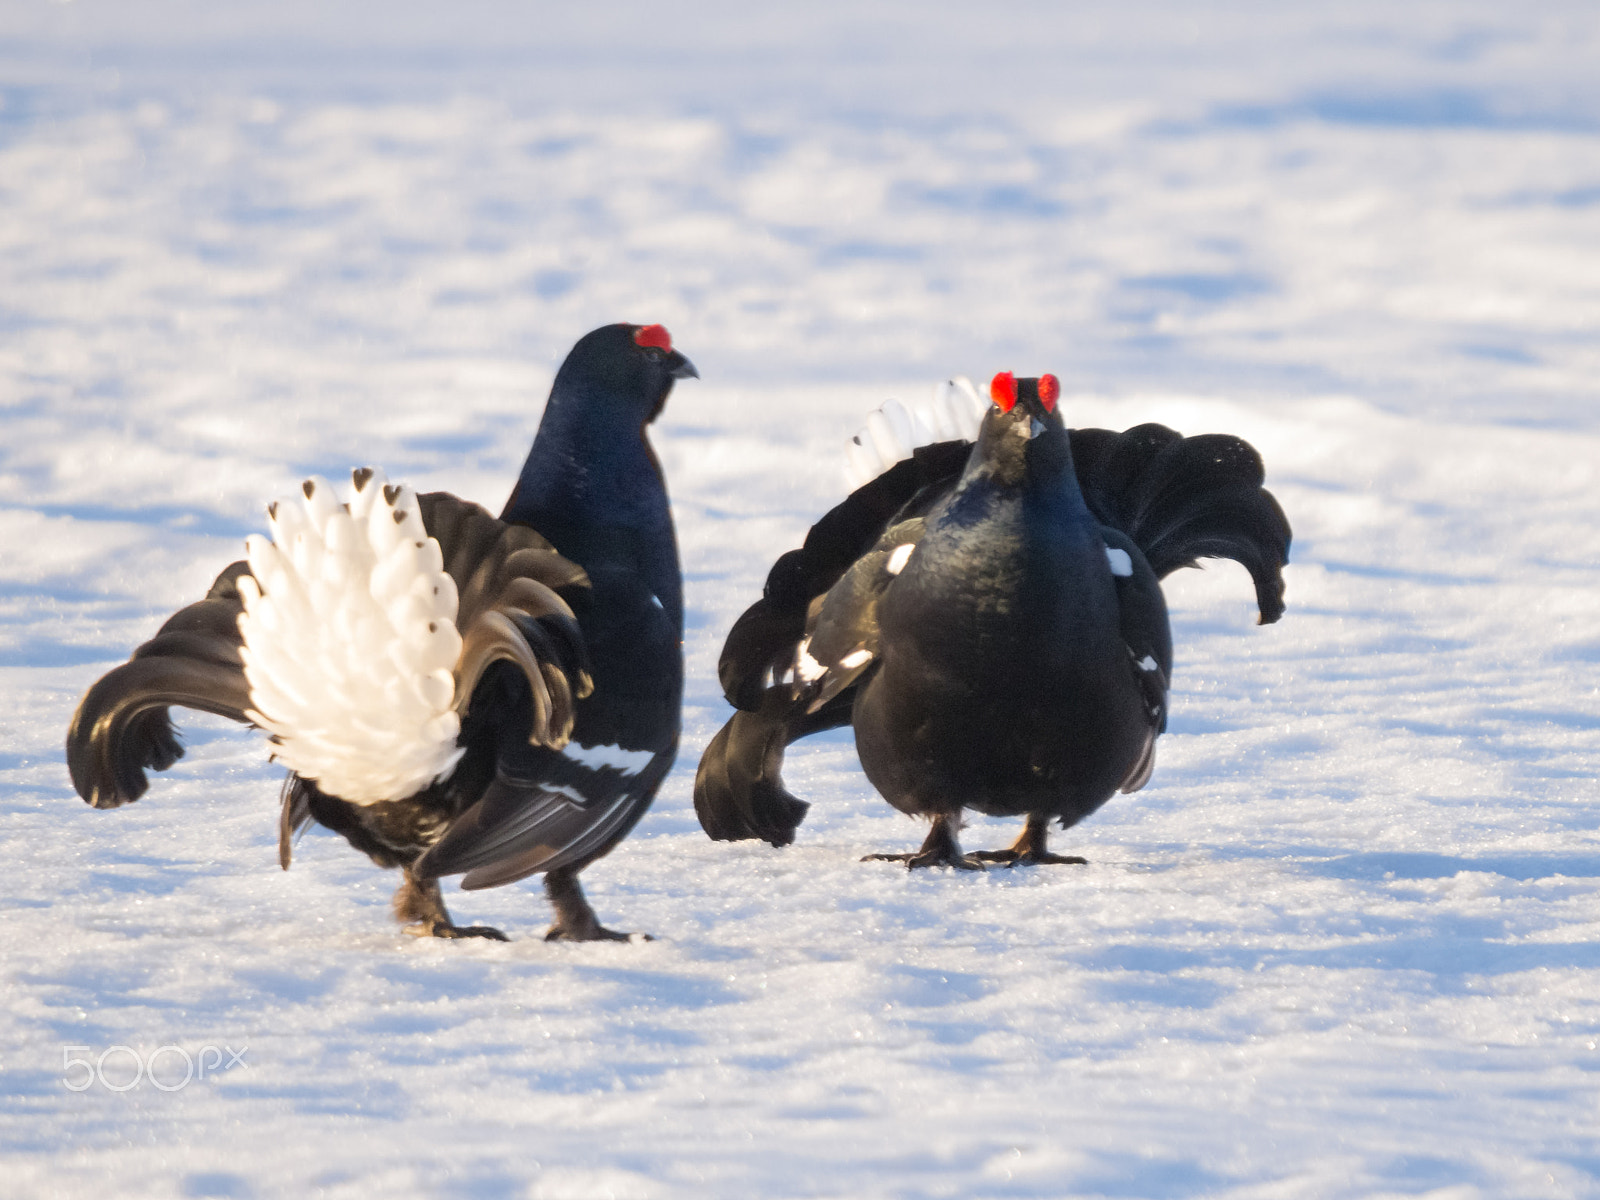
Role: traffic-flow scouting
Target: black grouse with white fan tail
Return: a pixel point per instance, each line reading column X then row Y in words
column 452, row 692
column 988, row 615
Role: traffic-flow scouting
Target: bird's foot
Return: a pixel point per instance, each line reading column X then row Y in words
column 931, row 858
column 1012, row 857
column 941, row 849
column 594, row 932
column 575, row 920
column 444, row 929
column 1031, row 849
column 420, row 907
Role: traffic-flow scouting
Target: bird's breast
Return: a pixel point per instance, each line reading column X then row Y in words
column 1003, row 600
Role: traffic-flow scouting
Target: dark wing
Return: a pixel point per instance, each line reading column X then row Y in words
column 122, row 726
column 738, row 789
column 841, row 639
column 762, row 643
column 1147, row 635
column 1183, row 499
column 636, row 646
column 541, row 811
column 1175, row 500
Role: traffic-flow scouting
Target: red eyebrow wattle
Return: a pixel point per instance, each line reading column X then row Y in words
column 1049, row 390
column 654, row 335
column 1003, row 390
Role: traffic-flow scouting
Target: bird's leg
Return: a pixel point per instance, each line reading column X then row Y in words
column 940, row 849
column 1029, row 848
column 420, row 907
column 575, row 920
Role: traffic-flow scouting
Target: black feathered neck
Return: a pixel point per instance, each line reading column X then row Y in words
column 1025, row 445
column 591, row 459
column 609, row 383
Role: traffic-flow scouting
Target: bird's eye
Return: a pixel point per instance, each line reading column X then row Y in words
column 1049, row 390
column 1003, row 390
column 654, row 335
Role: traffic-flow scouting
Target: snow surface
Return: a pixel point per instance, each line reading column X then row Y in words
column 1346, row 943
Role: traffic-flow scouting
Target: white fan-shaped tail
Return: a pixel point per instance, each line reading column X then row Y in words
column 954, row 412
column 350, row 641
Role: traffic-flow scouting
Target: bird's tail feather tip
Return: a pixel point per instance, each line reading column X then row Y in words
column 122, row 728
column 738, row 791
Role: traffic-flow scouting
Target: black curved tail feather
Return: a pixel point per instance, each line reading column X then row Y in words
column 514, row 602
column 738, row 790
column 1183, row 499
column 760, row 648
column 122, row 727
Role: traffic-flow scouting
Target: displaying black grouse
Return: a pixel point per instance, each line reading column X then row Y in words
column 452, row 692
column 990, row 619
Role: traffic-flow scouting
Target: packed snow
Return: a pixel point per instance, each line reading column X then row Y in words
column 1347, row 941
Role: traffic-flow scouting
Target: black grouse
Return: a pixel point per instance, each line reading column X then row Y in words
column 452, row 692
column 990, row 619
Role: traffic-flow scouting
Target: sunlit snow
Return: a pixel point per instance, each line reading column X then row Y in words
column 1347, row 941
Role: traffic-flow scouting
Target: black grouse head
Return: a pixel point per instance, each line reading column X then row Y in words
column 1018, row 433
column 623, row 369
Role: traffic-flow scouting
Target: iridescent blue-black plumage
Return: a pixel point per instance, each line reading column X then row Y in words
column 611, row 663
column 593, row 487
column 1016, row 661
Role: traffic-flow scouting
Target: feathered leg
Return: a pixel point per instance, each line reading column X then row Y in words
column 420, row 907
column 941, row 849
column 575, row 920
column 1029, row 848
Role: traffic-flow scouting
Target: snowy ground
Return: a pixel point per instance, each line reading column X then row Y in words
column 1346, row 944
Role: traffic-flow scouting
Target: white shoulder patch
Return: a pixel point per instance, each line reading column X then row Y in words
column 955, row 410
column 629, row 762
column 1120, row 560
column 350, row 641
column 900, row 557
column 806, row 668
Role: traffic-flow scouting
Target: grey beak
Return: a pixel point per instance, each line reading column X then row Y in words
column 681, row 368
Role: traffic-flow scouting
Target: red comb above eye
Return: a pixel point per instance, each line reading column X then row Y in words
column 654, row 335
column 1003, row 390
column 1049, row 390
